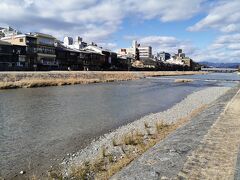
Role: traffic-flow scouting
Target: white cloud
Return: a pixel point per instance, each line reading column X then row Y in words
column 227, row 39
column 167, row 10
column 224, row 16
column 224, row 48
column 94, row 19
column 229, row 28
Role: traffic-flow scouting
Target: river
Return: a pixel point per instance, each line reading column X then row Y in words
column 40, row 126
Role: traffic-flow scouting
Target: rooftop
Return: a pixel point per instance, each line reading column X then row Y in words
column 4, row 43
column 41, row 34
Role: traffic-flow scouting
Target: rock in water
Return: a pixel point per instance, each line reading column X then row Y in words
column 22, row 172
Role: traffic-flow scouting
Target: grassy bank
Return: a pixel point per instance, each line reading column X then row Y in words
column 11, row 80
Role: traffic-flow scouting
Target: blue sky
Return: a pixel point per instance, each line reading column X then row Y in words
column 205, row 29
column 158, row 28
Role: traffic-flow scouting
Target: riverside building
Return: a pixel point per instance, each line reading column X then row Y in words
column 5, row 55
column 12, row 56
column 40, row 50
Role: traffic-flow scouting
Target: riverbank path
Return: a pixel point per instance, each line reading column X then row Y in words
column 216, row 156
column 207, row 147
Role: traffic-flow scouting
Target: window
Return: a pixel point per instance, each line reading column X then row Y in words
column 46, row 41
column 21, row 40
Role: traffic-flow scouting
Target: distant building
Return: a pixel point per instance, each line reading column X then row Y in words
column 9, row 31
column 68, row 41
column 128, row 53
column 163, row 56
column 131, row 52
column 137, row 56
column 180, row 55
column 145, row 52
column 1, row 33
column 187, row 61
column 181, row 59
column 136, row 51
column 78, row 44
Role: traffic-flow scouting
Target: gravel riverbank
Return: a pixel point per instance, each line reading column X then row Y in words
column 167, row 158
column 145, row 126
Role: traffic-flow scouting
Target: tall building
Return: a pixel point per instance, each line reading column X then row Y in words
column 134, row 49
column 145, row 52
column 136, row 52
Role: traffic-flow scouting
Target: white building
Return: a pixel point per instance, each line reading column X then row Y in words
column 174, row 61
column 129, row 52
column 136, row 51
column 180, row 59
column 9, row 31
column 78, row 44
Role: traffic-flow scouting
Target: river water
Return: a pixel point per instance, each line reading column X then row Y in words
column 39, row 126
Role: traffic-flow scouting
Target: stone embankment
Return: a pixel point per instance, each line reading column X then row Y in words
column 207, row 147
column 117, row 149
column 216, row 156
column 10, row 80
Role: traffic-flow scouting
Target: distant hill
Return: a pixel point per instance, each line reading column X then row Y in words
column 220, row 65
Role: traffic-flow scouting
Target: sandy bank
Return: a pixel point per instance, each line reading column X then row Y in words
column 11, row 80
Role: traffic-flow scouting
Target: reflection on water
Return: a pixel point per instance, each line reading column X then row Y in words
column 42, row 123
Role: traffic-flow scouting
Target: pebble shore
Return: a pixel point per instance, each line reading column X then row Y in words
column 181, row 110
column 204, row 148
